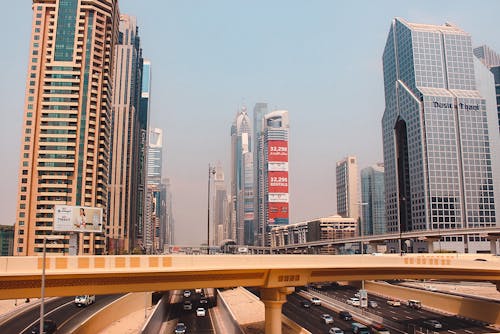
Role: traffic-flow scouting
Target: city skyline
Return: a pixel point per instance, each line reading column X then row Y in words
column 317, row 141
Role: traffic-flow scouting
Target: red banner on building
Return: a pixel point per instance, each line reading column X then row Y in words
column 278, row 182
column 277, row 150
column 278, row 210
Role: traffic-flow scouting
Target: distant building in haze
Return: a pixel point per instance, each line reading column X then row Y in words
column 373, row 194
column 242, row 178
column 65, row 152
column 439, row 147
column 347, row 187
column 123, row 185
column 220, row 207
column 492, row 60
column 273, row 181
column 259, row 111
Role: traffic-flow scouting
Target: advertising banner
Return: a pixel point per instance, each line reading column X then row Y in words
column 277, row 166
column 77, row 219
column 278, row 198
column 277, row 151
column 278, row 182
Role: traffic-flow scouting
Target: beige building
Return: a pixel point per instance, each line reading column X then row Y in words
column 327, row 228
column 124, row 177
column 347, row 188
column 66, row 133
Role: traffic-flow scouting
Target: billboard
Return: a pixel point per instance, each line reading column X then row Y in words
column 277, row 151
column 278, row 198
column 278, row 182
column 278, row 210
column 69, row 218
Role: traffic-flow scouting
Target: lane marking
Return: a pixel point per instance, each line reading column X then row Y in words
column 46, row 314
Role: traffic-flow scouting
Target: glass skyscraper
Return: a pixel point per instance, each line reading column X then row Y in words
column 373, row 194
column 437, row 141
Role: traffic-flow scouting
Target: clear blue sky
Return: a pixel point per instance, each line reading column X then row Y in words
column 321, row 60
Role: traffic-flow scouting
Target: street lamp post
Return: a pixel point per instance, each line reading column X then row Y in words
column 42, row 293
column 361, row 222
column 211, row 171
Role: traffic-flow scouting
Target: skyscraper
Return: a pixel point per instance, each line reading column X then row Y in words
column 142, row 133
column 492, row 60
column 347, row 188
column 273, row 185
column 242, row 177
column 373, row 194
column 438, row 153
column 259, row 111
column 153, row 218
column 220, row 207
column 122, row 214
column 67, row 119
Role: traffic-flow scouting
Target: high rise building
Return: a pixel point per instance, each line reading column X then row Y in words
column 6, row 240
column 273, row 181
column 122, row 213
column 259, row 111
column 492, row 60
column 242, row 177
column 67, row 120
column 373, row 198
column 153, row 218
column 169, row 220
column 438, row 144
column 347, row 188
column 142, row 132
column 220, row 206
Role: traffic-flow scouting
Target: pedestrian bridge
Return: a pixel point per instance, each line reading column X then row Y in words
column 275, row 275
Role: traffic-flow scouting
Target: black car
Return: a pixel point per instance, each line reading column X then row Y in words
column 344, row 315
column 306, row 304
column 49, row 327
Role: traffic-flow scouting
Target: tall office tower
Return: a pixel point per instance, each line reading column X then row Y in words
column 122, row 212
column 492, row 60
column 153, row 191
column 170, row 232
column 220, row 206
column 259, row 111
column 373, row 194
column 274, row 181
column 437, row 142
column 347, row 188
column 142, row 130
column 242, row 172
column 67, row 120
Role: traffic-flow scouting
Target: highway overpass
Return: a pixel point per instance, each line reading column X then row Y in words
column 275, row 275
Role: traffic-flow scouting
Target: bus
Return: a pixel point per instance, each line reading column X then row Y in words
column 358, row 328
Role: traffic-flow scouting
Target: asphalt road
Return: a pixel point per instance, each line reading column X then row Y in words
column 194, row 324
column 411, row 319
column 62, row 310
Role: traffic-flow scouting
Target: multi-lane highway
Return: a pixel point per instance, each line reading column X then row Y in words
column 62, row 310
column 194, row 323
column 404, row 318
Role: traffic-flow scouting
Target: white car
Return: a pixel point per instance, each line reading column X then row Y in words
column 335, row 330
column 187, row 293
column 200, row 312
column 433, row 324
column 316, row 301
column 394, row 303
column 84, row 300
column 353, row 301
column 327, row 318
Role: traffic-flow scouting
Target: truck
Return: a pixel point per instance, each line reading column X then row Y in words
column 84, row 300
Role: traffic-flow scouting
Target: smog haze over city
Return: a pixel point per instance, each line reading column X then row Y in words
column 320, row 60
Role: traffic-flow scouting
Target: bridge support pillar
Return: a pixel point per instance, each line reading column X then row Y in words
column 273, row 299
column 493, row 239
column 430, row 243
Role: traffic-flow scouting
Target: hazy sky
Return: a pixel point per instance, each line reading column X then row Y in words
column 320, row 60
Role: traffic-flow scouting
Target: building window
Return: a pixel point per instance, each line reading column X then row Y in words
column 19, row 249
